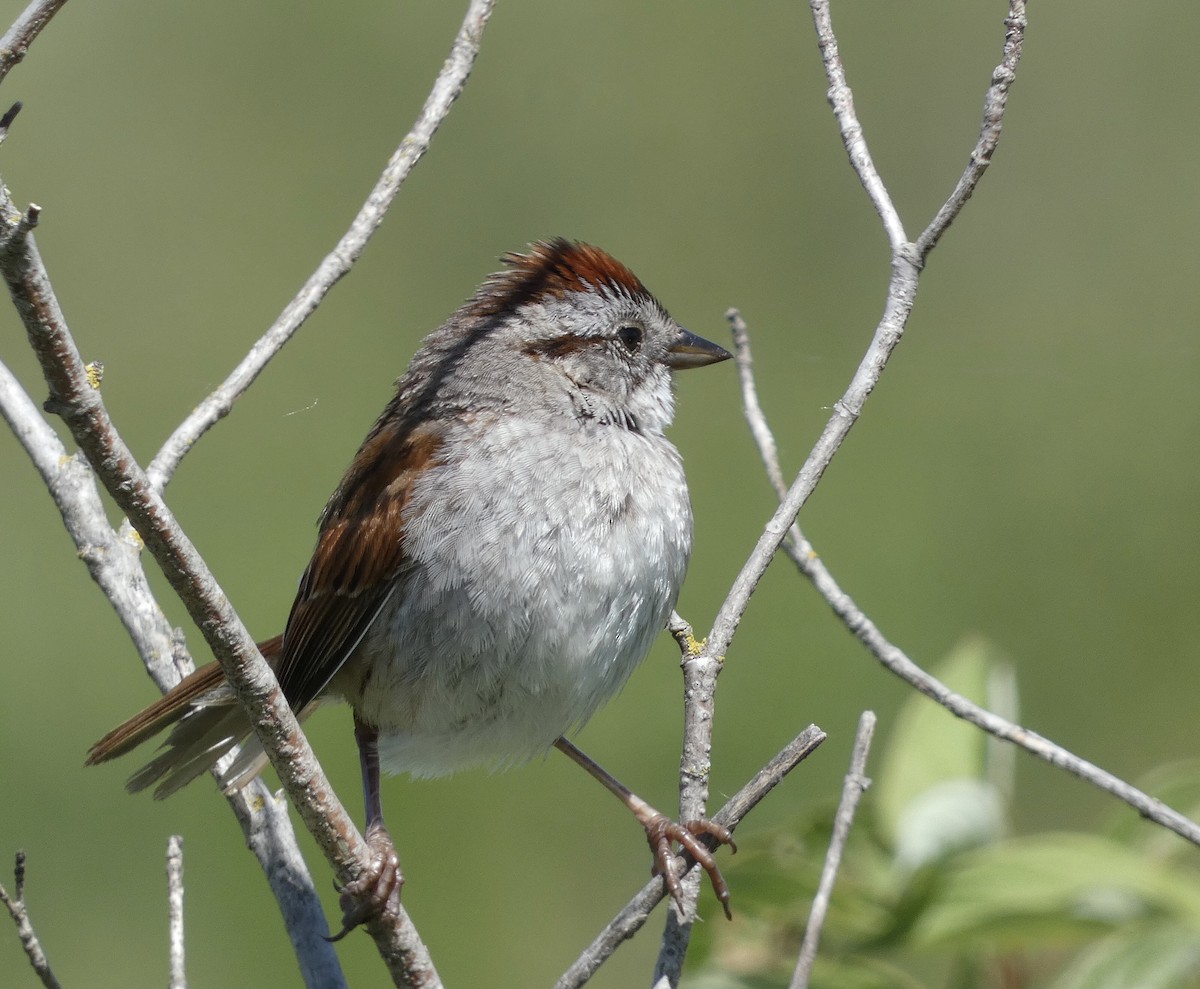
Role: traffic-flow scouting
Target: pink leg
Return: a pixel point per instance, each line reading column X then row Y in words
column 368, row 896
column 661, row 831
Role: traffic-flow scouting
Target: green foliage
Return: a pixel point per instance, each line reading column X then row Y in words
column 932, row 892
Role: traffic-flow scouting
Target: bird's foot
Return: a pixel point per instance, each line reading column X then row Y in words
column 369, row 895
column 661, row 831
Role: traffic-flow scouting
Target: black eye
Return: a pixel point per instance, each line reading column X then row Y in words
column 631, row 337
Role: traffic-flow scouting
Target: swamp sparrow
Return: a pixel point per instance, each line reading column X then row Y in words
column 500, row 555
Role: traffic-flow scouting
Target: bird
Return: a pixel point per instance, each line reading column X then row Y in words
column 498, row 558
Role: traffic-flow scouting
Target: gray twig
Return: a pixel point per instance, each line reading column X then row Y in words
column 266, row 826
column 114, row 561
column 994, row 104
column 907, row 262
column 855, row 785
column 177, row 977
column 810, row 564
column 906, row 267
column 764, row 439
column 17, row 909
column 801, row 552
column 842, row 100
column 17, row 39
column 700, row 671
column 634, row 914
column 73, row 397
column 446, row 89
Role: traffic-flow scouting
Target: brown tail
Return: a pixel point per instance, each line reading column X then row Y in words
column 208, row 722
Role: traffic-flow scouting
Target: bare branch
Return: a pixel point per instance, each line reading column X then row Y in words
column 705, row 663
column 446, row 89
column 267, row 826
column 700, row 673
column 633, row 915
column 846, row 410
column 842, row 100
column 853, row 789
column 20, row 915
column 994, row 104
column 114, row 562
column 764, row 439
column 84, row 412
column 177, row 977
column 902, row 290
column 801, row 552
column 17, row 39
column 809, row 563
column 74, row 398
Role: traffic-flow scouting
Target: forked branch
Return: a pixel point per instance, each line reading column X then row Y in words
column 809, row 562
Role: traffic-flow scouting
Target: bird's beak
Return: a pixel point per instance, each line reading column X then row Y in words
column 690, row 351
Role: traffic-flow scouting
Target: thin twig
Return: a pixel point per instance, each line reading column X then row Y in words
column 994, row 104
column 19, row 912
column 855, row 785
column 809, row 563
column 446, row 89
column 700, row 671
column 901, row 294
column 633, row 915
column 902, row 289
column 17, row 39
column 114, row 562
column 842, row 100
column 177, row 976
column 764, row 439
column 893, row 658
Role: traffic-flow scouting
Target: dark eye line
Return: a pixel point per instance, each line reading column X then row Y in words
column 630, row 336
column 556, row 347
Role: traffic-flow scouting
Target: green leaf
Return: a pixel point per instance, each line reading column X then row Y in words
column 950, row 816
column 1148, row 956
column 1052, row 890
column 933, row 795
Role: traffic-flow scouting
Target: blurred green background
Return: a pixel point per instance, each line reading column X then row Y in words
column 1027, row 468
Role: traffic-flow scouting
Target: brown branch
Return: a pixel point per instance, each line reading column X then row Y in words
column 85, row 415
column 114, row 561
column 73, row 397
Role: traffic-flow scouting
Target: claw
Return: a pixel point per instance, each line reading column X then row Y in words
column 661, row 831
column 370, row 894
